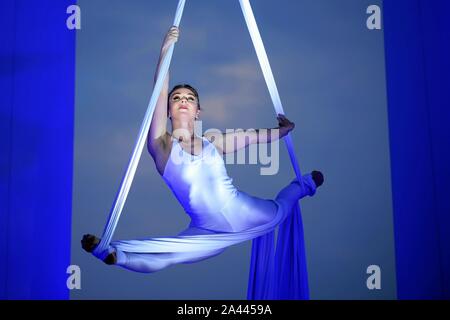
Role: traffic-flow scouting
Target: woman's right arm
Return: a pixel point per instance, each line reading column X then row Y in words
column 158, row 126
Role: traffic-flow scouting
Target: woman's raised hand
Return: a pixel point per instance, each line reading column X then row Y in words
column 171, row 37
column 285, row 125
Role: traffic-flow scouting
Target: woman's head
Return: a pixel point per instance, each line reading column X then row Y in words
column 183, row 101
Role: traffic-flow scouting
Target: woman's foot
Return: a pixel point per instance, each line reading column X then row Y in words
column 317, row 176
column 111, row 258
column 90, row 242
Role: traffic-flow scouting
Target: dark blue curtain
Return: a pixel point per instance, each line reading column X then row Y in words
column 417, row 44
column 36, row 132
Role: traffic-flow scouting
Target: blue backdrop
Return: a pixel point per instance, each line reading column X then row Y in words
column 417, row 42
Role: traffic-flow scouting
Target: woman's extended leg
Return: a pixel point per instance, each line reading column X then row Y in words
column 153, row 262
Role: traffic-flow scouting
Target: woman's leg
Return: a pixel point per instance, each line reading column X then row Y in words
column 153, row 262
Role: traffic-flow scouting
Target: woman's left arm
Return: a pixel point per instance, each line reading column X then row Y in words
column 233, row 141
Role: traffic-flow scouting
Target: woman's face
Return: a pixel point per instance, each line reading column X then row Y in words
column 183, row 104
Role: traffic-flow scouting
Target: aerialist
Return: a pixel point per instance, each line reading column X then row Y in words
column 193, row 168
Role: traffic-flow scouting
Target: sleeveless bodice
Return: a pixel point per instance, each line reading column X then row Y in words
column 200, row 183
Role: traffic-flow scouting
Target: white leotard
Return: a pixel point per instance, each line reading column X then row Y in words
column 206, row 192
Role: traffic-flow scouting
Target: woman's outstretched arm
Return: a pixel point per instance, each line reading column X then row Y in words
column 158, row 127
column 233, row 141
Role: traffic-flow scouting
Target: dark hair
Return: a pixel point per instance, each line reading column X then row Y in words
column 183, row 86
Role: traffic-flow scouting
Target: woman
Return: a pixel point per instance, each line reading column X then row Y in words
column 193, row 168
